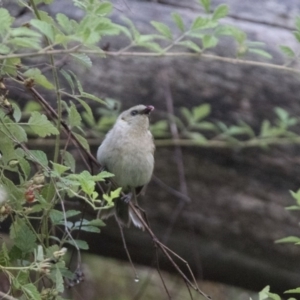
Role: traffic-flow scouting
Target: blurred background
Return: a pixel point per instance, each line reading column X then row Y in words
column 220, row 207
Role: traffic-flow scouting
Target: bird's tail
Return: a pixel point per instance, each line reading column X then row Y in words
column 123, row 212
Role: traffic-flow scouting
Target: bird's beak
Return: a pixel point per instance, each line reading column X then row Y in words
column 147, row 110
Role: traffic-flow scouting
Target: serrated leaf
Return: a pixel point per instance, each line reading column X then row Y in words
column 209, row 41
column 287, row 51
column 101, row 176
column 74, row 118
column 65, row 23
column 82, row 141
column 68, row 160
column 38, row 156
column 56, row 216
column 104, row 8
column 31, row 291
column 9, row 66
column 60, row 169
column 41, row 125
column 221, row 11
column 44, row 27
column 205, row 4
column 260, row 52
column 199, row 23
column 6, row 19
column 24, row 238
column 178, row 20
column 163, row 29
column 39, row 78
column 24, row 31
column 83, row 59
column 191, row 45
column 69, row 79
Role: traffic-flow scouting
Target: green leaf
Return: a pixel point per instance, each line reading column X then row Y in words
column 163, row 29
column 86, row 106
column 9, row 66
column 102, row 175
column 60, row 169
column 200, row 112
column 25, row 42
column 97, row 222
column 187, row 114
column 38, row 156
column 264, row 293
column 44, row 27
column 220, row 12
column 287, row 51
column 24, row 238
column 12, row 130
column 32, row 106
column 74, row 117
column 68, row 160
column 178, row 20
column 56, row 216
column 31, row 291
column 17, row 112
column 92, row 97
column 39, row 78
column 104, row 8
column 191, row 45
column 260, row 52
column 293, row 291
column 4, row 49
column 205, row 4
column 79, row 243
column 297, row 35
column 83, row 59
column 199, row 23
column 90, row 229
column 296, row 196
column 6, row 19
column 24, row 31
column 65, row 23
column 41, row 125
column 82, row 141
column 4, row 257
column 289, row 239
column 209, row 41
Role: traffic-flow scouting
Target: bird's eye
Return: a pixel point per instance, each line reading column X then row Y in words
column 134, row 112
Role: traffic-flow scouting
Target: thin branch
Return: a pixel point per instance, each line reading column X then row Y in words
column 136, row 277
column 6, row 296
column 154, row 54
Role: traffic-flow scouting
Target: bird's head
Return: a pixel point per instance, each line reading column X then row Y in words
column 137, row 115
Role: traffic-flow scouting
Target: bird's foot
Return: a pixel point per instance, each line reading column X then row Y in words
column 127, row 198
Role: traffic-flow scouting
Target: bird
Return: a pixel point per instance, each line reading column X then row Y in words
column 127, row 151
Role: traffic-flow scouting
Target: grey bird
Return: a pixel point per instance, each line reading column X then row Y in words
column 128, row 152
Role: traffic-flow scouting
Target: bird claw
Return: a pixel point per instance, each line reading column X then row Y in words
column 126, row 199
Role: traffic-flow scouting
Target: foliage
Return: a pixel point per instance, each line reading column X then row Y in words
column 33, row 186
